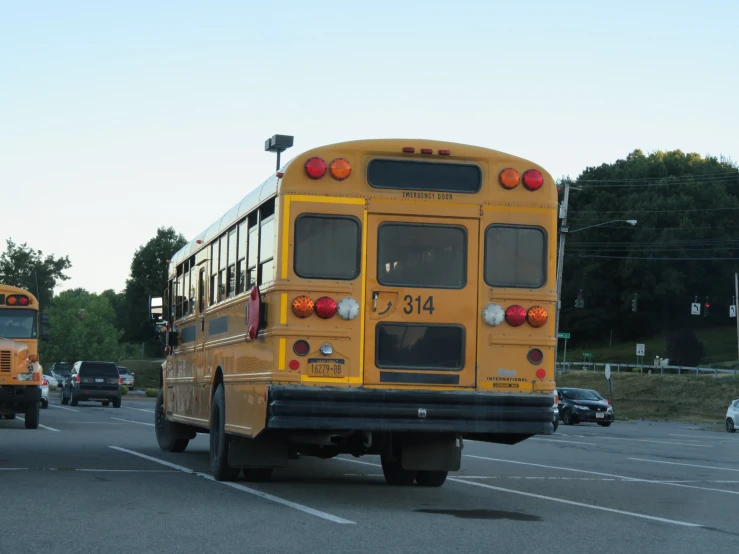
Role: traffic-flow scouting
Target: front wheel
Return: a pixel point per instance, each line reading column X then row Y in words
column 730, row 428
column 33, row 414
column 567, row 418
column 44, row 403
column 431, row 478
column 164, row 429
column 219, row 440
column 605, row 424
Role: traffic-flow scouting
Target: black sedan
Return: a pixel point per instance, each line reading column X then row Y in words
column 583, row 405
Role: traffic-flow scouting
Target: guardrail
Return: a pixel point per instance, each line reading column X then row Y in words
column 643, row 368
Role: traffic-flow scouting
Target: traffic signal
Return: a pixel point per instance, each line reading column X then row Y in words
column 708, row 307
column 634, row 304
column 580, row 300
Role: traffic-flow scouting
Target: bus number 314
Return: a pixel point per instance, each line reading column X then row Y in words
column 413, row 305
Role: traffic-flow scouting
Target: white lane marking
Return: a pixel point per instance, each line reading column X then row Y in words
column 131, row 421
column 42, row 426
column 561, row 500
column 237, row 486
column 127, row 470
column 139, row 409
column 63, row 407
column 703, row 436
column 651, row 441
column 579, row 504
column 669, row 483
column 566, row 442
column 686, row 465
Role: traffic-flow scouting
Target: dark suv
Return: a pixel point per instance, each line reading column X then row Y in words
column 93, row 381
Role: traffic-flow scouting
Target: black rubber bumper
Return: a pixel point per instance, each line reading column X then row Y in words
column 20, row 395
column 333, row 408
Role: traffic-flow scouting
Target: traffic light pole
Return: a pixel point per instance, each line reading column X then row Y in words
column 736, row 310
column 560, row 265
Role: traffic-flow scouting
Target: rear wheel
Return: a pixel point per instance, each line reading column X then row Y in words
column 117, row 402
column 33, row 414
column 605, row 424
column 64, row 398
column 72, row 399
column 44, row 403
column 431, row 478
column 730, row 428
column 219, row 440
column 556, row 424
column 395, row 475
column 165, row 430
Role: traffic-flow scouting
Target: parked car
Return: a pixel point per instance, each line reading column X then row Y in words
column 126, row 377
column 732, row 417
column 583, row 405
column 97, row 381
column 45, row 393
column 52, row 381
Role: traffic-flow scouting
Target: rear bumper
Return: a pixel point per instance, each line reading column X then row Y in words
column 353, row 409
column 590, row 417
column 87, row 394
column 19, row 395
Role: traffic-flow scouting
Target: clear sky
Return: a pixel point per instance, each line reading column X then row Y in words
column 120, row 117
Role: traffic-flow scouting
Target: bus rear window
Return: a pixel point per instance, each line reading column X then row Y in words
column 431, row 176
column 418, row 347
column 327, row 247
column 515, row 256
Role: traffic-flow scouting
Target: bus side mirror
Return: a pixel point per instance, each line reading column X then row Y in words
column 156, row 309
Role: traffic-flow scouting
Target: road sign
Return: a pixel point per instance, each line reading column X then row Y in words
column 608, row 371
column 587, row 355
column 695, row 309
column 732, row 311
column 563, row 335
column 639, row 349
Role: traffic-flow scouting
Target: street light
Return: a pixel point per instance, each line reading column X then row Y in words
column 629, row 221
column 278, row 144
column 563, row 231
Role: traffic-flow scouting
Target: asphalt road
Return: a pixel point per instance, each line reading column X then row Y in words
column 94, row 480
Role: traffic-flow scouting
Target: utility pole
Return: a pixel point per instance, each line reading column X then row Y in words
column 560, row 264
column 736, row 303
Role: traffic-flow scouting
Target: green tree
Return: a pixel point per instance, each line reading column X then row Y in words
column 82, row 328
column 148, row 278
column 24, row 267
column 686, row 207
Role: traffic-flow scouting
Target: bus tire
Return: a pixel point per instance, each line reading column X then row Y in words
column 219, row 441
column 33, row 414
column 165, row 430
column 395, row 475
column 431, row 478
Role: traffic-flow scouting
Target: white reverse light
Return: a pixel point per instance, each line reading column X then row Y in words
column 493, row 315
column 348, row 308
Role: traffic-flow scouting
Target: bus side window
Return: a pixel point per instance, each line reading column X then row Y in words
column 201, row 291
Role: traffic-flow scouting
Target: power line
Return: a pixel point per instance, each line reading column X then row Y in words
column 721, row 175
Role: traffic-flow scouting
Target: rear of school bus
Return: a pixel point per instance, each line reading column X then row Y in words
column 416, row 296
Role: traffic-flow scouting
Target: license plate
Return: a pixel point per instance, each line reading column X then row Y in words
column 325, row 367
column 600, row 416
column 100, row 380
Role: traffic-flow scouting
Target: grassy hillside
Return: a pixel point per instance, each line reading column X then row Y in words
column 661, row 397
column 720, row 347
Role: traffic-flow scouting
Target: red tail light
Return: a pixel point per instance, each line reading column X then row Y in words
column 301, row 347
column 541, row 373
column 608, row 402
column 315, row 168
column 325, row 307
column 515, row 316
column 533, row 179
column 535, row 356
column 77, row 378
column 23, row 301
column 45, row 382
column 120, row 380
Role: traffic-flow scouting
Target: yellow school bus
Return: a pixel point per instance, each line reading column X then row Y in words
column 20, row 371
column 385, row 297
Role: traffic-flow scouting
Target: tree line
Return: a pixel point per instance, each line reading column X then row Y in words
column 641, row 280
column 85, row 325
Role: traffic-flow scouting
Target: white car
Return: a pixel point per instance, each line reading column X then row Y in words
column 732, row 417
column 45, row 393
column 52, row 380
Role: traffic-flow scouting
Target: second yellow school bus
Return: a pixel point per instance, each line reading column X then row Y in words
column 386, row 297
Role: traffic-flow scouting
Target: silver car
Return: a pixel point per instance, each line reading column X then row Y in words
column 45, row 393
column 732, row 417
column 52, row 381
column 126, row 377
